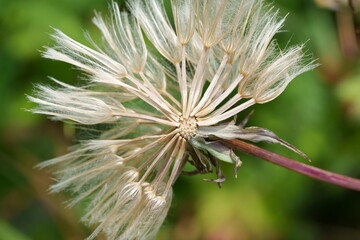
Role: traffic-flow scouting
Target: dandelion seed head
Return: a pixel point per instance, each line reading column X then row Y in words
column 160, row 108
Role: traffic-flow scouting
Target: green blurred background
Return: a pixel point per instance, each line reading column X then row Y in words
column 319, row 113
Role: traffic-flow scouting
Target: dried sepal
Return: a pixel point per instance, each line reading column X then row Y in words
column 253, row 134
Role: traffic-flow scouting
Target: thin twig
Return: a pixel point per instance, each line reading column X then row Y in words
column 310, row 171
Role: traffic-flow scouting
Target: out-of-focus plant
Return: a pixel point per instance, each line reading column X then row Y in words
column 348, row 20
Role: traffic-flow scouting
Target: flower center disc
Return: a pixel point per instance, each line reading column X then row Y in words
column 188, row 127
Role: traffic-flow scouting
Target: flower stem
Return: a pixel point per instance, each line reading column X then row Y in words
column 305, row 169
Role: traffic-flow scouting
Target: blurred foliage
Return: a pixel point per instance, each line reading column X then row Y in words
column 319, row 113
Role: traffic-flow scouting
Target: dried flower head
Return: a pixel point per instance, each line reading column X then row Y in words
column 163, row 108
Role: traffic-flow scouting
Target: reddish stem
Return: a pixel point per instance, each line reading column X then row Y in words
column 296, row 166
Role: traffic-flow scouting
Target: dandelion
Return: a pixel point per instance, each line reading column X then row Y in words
column 165, row 107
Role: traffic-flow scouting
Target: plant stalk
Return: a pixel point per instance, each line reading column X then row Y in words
column 302, row 168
